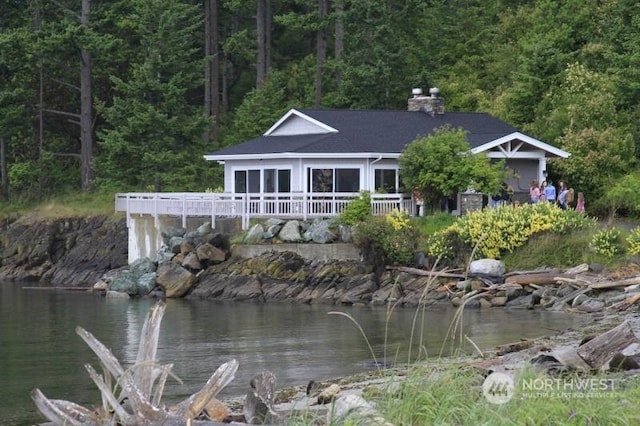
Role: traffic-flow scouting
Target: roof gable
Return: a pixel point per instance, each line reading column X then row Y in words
column 507, row 146
column 296, row 123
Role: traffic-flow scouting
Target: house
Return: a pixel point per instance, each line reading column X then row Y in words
column 310, row 151
column 312, row 163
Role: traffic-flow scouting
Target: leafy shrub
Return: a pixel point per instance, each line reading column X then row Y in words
column 607, row 242
column 493, row 232
column 389, row 239
column 633, row 241
column 357, row 210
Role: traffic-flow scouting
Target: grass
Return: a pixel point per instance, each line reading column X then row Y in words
column 59, row 206
column 453, row 395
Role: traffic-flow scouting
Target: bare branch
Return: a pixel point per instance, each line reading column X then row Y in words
column 65, row 113
column 65, row 8
column 63, row 154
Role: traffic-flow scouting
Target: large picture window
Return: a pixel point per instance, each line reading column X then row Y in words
column 273, row 180
column 333, row 180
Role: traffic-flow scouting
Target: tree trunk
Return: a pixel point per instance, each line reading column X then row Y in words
column 321, row 49
column 263, row 33
column 212, row 68
column 3, row 170
column 261, row 60
column 339, row 38
column 86, row 108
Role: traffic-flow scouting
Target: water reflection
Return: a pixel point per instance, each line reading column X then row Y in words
column 39, row 346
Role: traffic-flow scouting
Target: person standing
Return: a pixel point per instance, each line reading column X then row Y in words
column 580, row 203
column 562, row 195
column 534, row 192
column 550, row 192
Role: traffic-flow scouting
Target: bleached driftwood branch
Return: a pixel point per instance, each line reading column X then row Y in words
column 141, row 386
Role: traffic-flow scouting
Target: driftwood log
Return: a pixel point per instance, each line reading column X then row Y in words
column 141, row 387
column 537, row 278
column 602, row 348
column 626, row 303
column 514, row 347
column 613, row 284
column 425, row 273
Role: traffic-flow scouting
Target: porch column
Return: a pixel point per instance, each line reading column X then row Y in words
column 542, row 169
column 144, row 237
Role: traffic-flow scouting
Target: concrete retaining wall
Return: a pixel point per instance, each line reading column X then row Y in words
column 309, row 251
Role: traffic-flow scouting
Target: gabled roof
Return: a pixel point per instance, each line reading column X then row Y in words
column 309, row 133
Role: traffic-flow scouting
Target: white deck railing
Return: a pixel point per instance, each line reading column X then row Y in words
column 253, row 206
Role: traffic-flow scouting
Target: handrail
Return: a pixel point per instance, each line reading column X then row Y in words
column 253, row 205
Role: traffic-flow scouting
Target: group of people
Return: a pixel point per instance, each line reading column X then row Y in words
column 563, row 197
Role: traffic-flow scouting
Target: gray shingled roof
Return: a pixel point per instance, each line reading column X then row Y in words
column 372, row 132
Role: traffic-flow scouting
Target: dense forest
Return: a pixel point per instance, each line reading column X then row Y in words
column 126, row 95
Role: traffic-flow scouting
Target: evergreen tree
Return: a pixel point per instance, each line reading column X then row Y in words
column 153, row 135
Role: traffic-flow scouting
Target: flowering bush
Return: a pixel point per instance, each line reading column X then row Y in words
column 398, row 219
column 390, row 239
column 633, row 241
column 606, row 242
column 495, row 231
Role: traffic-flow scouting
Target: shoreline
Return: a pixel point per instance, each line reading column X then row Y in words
column 561, row 344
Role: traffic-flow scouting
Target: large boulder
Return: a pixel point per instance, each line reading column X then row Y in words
column 210, row 255
column 290, row 232
column 142, row 266
column 124, row 282
column 319, row 232
column 489, row 267
column 174, row 279
column 171, row 232
column 254, row 235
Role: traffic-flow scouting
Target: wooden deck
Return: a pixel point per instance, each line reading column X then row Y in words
column 252, row 206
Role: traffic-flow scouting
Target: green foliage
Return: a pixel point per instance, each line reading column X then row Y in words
column 153, row 134
column 553, row 250
column 624, row 193
column 357, row 210
column 433, row 222
column 567, row 73
column 633, row 241
column 388, row 240
column 441, row 164
column 451, row 394
column 607, row 242
column 493, row 232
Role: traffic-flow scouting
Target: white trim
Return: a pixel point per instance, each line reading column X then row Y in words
column 280, row 155
column 524, row 138
column 516, row 155
column 328, row 129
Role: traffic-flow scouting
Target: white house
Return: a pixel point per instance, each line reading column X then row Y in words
column 312, row 163
column 346, row 151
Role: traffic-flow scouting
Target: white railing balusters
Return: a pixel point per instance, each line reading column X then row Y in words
column 250, row 206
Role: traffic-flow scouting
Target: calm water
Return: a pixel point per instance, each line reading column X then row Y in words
column 39, row 346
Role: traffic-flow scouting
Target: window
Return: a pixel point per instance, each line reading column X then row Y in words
column 385, row 180
column 240, row 182
column 347, row 180
column 272, row 179
column 284, row 180
column 333, row 180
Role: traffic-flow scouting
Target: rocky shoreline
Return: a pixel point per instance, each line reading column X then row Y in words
column 91, row 253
